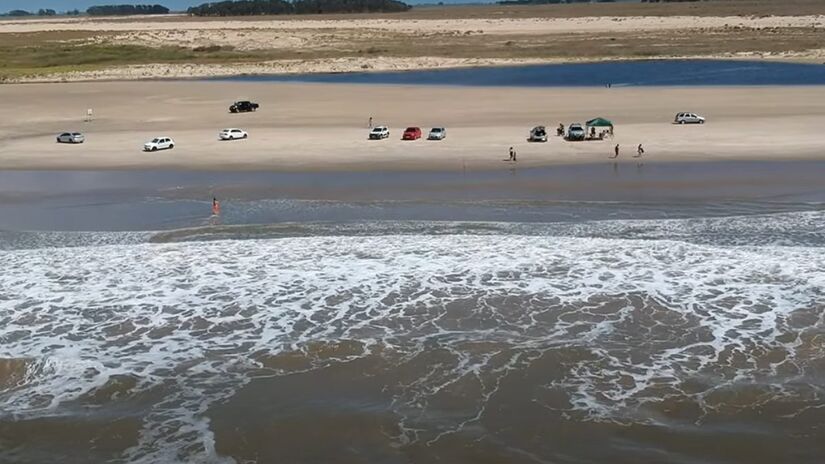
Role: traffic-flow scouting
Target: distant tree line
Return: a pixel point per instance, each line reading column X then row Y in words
column 277, row 7
column 123, row 10
column 105, row 10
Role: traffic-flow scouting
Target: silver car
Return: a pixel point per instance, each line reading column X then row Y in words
column 437, row 133
column 537, row 134
column 71, row 137
column 688, row 118
column 576, row 132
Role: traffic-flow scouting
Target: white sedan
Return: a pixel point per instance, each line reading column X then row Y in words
column 159, row 143
column 71, row 137
column 232, row 134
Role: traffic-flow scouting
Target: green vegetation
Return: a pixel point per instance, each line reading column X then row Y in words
column 278, row 7
column 17, row 61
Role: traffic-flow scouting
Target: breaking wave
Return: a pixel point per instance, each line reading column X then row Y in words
column 712, row 315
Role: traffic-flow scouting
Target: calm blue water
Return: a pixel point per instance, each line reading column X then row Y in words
column 617, row 73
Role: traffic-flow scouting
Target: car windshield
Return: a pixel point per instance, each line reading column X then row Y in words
column 378, row 129
column 155, row 140
column 436, row 129
column 412, row 129
column 75, row 133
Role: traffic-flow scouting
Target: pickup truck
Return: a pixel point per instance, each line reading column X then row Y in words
column 243, row 107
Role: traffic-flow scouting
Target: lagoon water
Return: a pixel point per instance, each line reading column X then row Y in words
column 615, row 73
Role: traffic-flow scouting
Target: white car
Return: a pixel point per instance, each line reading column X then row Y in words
column 159, row 143
column 379, row 132
column 232, row 134
column 71, row 137
column 437, row 133
column 688, row 118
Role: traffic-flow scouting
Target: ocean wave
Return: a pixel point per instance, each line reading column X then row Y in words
column 610, row 328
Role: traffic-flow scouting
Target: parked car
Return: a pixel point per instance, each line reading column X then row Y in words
column 576, row 132
column 688, row 118
column 243, row 106
column 232, row 134
column 159, row 143
column 379, row 132
column 537, row 134
column 437, row 133
column 411, row 133
column 71, row 137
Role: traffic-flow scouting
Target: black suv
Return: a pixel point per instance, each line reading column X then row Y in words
column 243, row 107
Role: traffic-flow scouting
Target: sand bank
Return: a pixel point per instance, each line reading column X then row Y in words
column 460, row 25
column 311, row 127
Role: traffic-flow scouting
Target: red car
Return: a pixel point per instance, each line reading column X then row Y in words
column 412, row 133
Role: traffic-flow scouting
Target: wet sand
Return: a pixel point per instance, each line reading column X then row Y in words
column 323, row 127
column 137, row 200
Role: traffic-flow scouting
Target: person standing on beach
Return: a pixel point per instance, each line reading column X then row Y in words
column 640, row 151
column 216, row 207
column 370, row 123
column 615, row 151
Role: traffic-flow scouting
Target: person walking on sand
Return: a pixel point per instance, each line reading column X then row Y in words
column 639, row 151
column 370, row 123
column 216, row 207
column 512, row 154
column 615, row 151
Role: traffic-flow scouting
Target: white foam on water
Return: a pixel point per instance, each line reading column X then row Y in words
column 650, row 316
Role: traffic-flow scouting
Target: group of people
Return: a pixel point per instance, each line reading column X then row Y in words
column 639, row 151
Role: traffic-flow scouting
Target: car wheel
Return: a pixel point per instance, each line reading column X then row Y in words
column 245, row 135
column 682, row 121
column 701, row 122
column 154, row 148
column 171, row 146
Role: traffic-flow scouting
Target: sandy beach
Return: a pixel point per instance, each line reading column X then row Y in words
column 311, row 127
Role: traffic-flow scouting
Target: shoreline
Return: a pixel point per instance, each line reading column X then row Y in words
column 159, row 72
column 151, row 200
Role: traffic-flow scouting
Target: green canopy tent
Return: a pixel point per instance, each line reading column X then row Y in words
column 600, row 123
